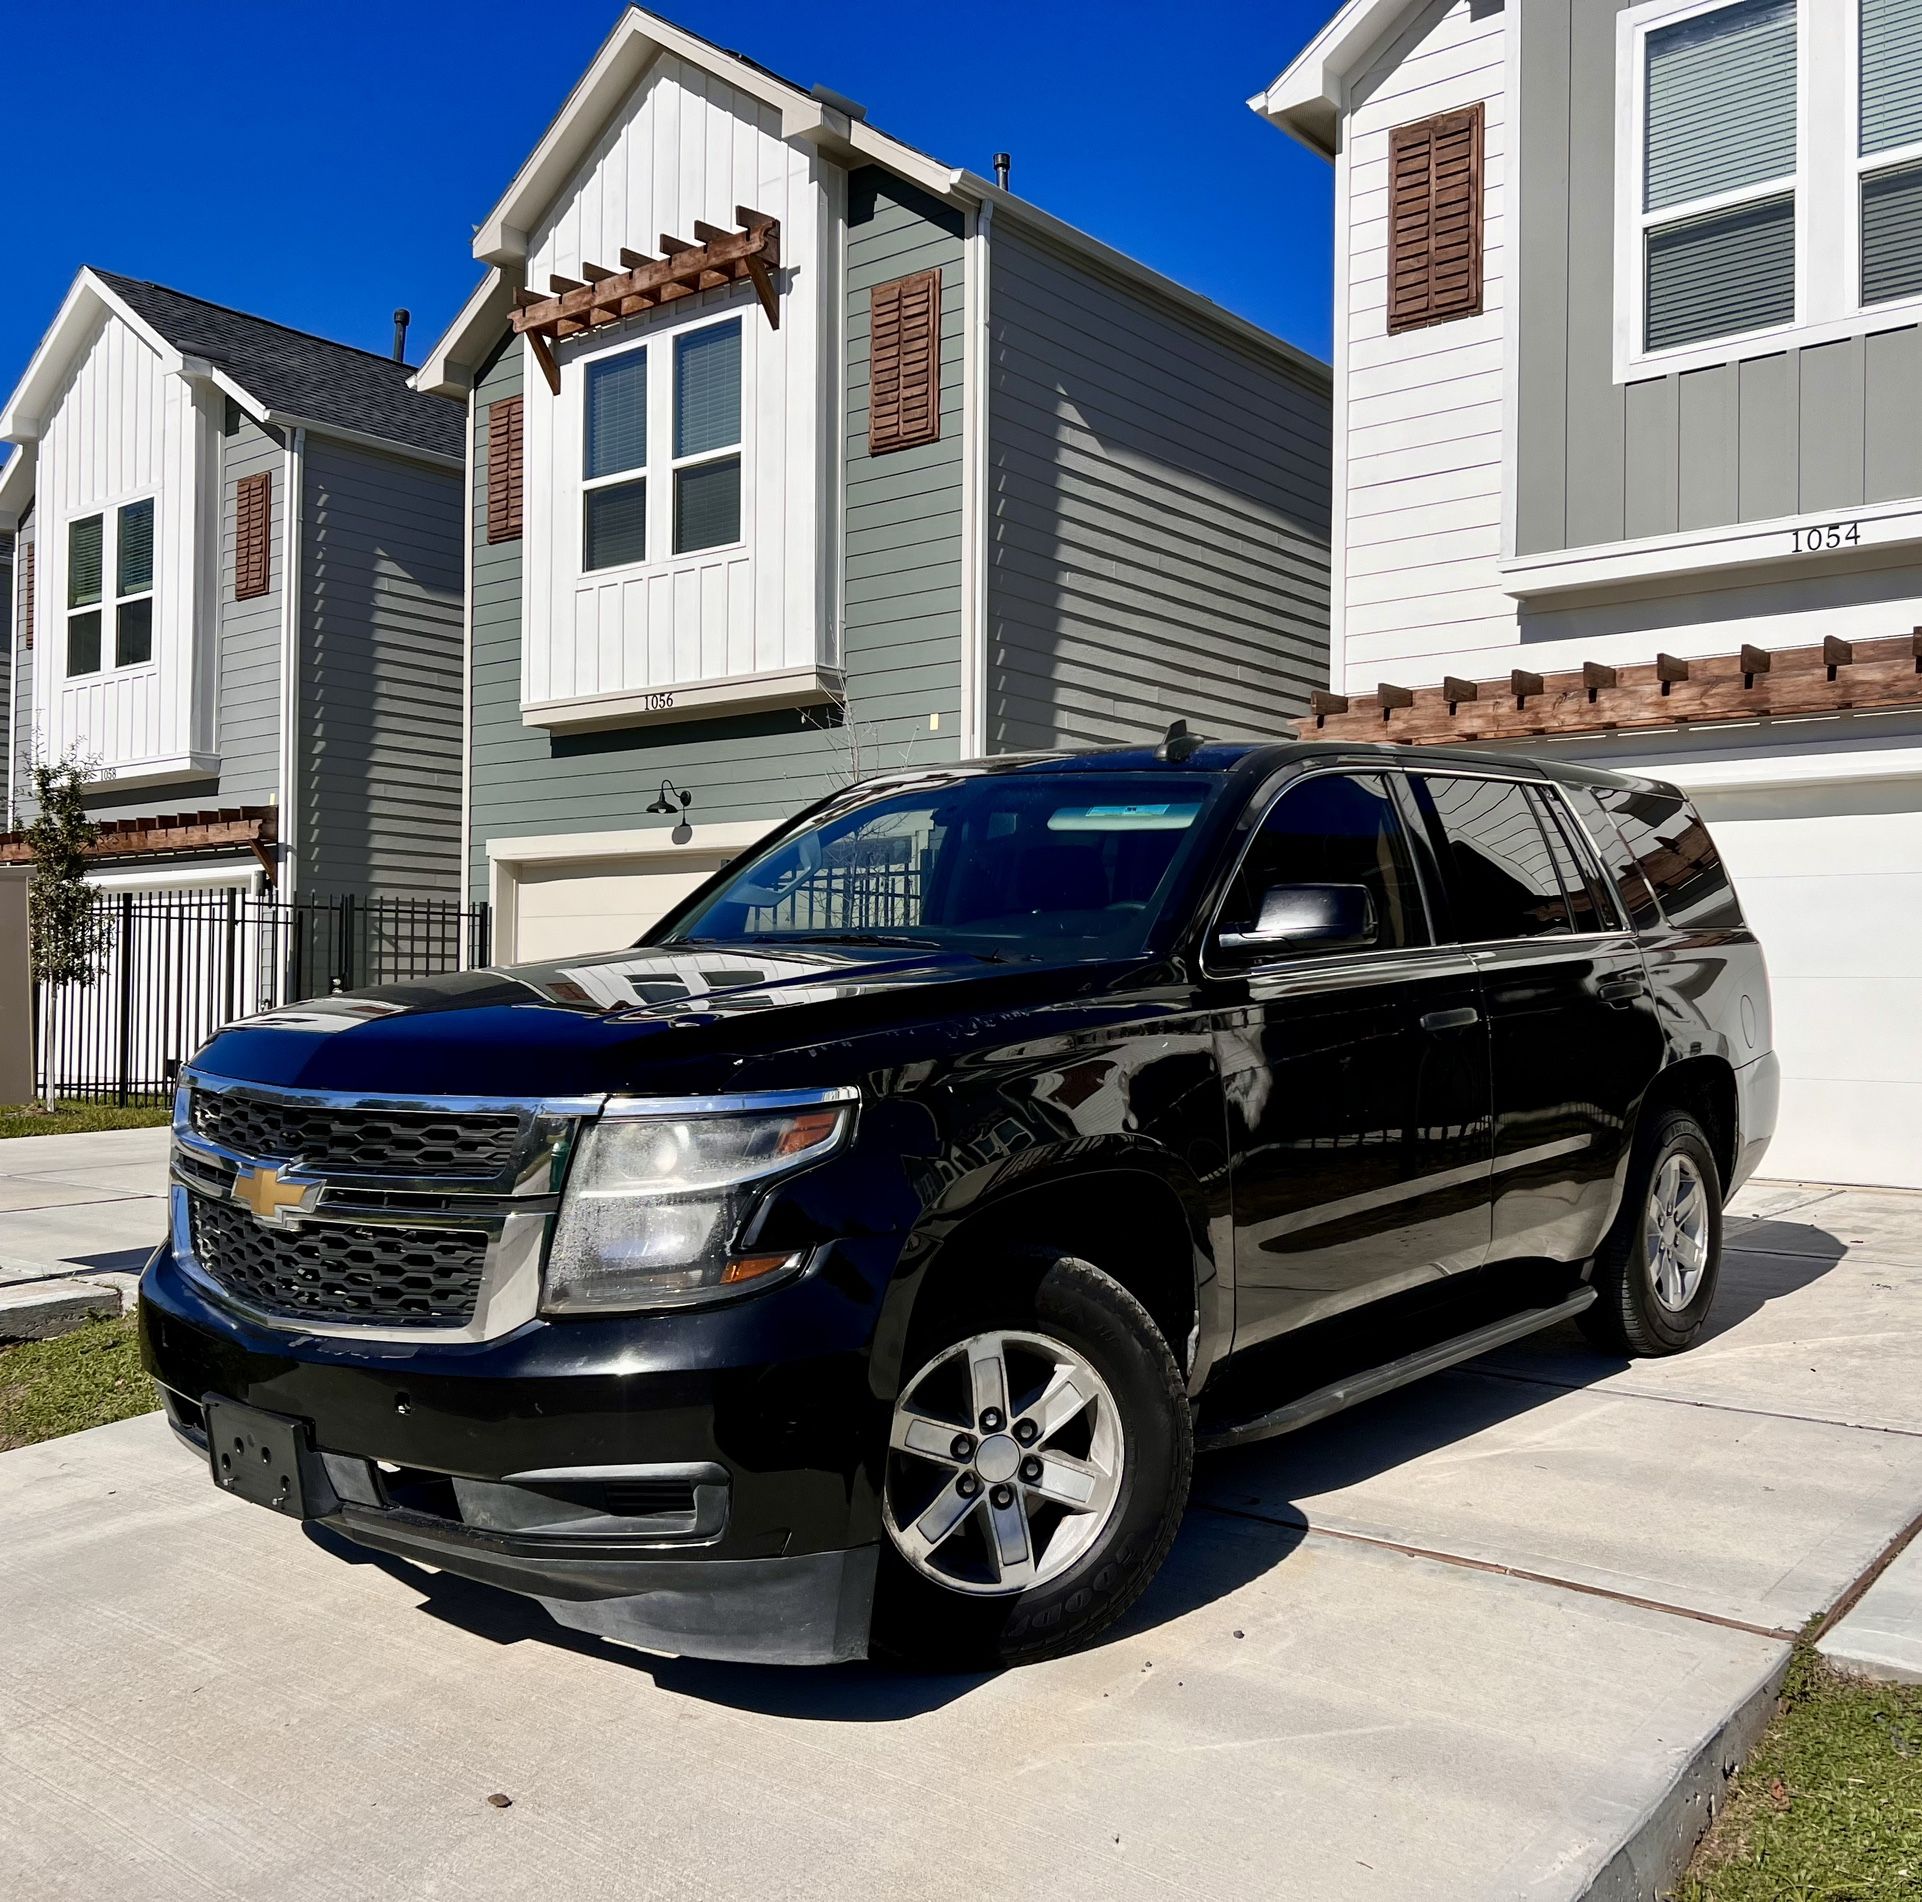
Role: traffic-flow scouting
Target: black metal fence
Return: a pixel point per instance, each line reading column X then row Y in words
column 174, row 966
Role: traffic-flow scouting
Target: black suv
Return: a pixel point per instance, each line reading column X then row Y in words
column 858, row 1264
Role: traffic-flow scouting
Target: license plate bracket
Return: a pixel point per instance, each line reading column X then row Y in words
column 264, row 1458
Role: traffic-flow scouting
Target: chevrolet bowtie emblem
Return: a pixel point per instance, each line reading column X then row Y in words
column 262, row 1190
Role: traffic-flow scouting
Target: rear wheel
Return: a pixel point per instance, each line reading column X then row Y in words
column 1656, row 1273
column 1038, row 1463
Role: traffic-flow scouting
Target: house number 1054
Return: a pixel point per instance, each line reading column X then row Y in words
column 1809, row 541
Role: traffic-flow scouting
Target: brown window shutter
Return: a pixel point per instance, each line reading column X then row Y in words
column 253, row 535
column 1435, row 220
column 904, row 363
column 504, row 470
column 26, row 604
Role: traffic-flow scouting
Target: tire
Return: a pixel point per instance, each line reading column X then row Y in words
column 1650, row 1299
column 1052, row 1322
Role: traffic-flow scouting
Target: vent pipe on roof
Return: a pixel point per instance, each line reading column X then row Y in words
column 1003, row 165
column 402, row 318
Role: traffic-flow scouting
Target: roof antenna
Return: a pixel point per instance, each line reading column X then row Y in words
column 402, row 318
column 1178, row 744
column 1003, row 165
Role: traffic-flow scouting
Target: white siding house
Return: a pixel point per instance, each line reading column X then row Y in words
column 1685, row 420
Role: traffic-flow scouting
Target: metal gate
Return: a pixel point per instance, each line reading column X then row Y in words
column 174, row 966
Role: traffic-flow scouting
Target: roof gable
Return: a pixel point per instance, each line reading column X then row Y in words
column 271, row 369
column 1307, row 96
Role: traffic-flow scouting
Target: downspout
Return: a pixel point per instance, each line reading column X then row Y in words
column 974, row 492
column 289, row 818
column 469, row 475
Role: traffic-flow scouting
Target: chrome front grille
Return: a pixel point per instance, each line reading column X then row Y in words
column 320, row 1137
column 341, row 1271
column 382, row 1217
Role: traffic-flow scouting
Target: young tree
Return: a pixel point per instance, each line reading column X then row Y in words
column 67, row 933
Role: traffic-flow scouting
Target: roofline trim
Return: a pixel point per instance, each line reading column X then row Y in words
column 89, row 294
column 1307, row 98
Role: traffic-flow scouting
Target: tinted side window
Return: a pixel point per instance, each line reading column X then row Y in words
column 1503, row 880
column 1335, row 829
column 1582, row 884
column 1624, row 871
column 1678, row 858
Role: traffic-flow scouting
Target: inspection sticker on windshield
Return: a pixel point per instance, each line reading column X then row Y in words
column 1161, row 817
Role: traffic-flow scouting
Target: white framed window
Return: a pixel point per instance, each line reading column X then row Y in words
column 110, row 556
column 1768, row 176
column 662, row 446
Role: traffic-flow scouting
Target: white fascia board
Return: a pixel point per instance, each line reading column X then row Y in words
column 1307, row 97
column 22, row 421
column 625, row 54
column 451, row 366
column 692, row 835
column 16, row 486
column 1008, row 209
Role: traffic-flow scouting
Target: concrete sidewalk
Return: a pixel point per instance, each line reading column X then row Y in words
column 1496, row 1636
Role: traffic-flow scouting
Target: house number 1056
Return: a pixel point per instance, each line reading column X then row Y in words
column 1809, row 541
column 656, row 702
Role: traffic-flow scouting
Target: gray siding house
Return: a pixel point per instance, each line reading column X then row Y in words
column 795, row 454
column 1628, row 419
column 236, row 589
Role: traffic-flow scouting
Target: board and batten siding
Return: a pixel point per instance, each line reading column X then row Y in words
column 902, row 603
column 685, row 147
column 526, row 780
column 1826, row 426
column 9, row 621
column 20, row 687
column 379, row 700
column 1420, row 513
column 123, row 428
column 1158, row 515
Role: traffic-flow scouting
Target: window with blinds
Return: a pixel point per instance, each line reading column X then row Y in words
column 668, row 416
column 1889, row 149
column 1435, row 220
column 1718, row 173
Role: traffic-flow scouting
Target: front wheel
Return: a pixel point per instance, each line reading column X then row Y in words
column 1037, row 1466
column 1656, row 1273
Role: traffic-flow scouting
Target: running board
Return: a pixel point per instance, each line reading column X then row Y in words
column 1354, row 1388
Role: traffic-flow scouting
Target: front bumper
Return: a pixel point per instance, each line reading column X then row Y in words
column 457, row 1455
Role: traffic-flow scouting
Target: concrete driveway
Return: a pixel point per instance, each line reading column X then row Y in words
column 1494, row 1636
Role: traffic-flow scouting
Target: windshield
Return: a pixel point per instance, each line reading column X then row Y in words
column 994, row 863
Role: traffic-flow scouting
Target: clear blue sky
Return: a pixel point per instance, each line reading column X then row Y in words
column 321, row 163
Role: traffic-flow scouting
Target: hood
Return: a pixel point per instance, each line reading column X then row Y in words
column 668, row 1019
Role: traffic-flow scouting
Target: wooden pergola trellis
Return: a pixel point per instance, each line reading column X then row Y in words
column 1754, row 682
column 572, row 306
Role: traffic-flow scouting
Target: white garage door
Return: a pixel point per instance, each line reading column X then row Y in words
column 1831, row 879
column 563, row 909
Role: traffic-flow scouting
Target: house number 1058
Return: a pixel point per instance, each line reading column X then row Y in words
column 1809, row 541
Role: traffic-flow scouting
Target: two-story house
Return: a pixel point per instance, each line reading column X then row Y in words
column 796, row 452
column 1628, row 452
column 236, row 589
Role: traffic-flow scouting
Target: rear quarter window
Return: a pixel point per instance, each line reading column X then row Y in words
column 1677, row 856
column 1624, row 869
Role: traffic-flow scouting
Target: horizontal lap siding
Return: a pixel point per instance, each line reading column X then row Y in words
column 380, row 687
column 248, row 730
column 1157, row 515
column 901, row 612
column 758, row 767
column 1422, row 409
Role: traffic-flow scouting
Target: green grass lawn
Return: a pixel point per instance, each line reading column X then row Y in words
column 1829, row 1808
column 82, row 1379
column 32, row 1119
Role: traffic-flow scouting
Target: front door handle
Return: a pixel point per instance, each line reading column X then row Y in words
column 1451, row 1019
column 1621, row 988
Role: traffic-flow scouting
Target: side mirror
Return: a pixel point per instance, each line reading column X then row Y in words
column 1307, row 918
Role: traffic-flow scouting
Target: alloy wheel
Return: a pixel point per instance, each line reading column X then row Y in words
column 1004, row 1464
column 1676, row 1232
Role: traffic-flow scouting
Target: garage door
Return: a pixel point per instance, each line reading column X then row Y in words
column 1831, row 879
column 563, row 909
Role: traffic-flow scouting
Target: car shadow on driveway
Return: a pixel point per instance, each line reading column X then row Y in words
column 1255, row 1486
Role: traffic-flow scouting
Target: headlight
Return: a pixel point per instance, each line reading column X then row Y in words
column 658, row 1201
